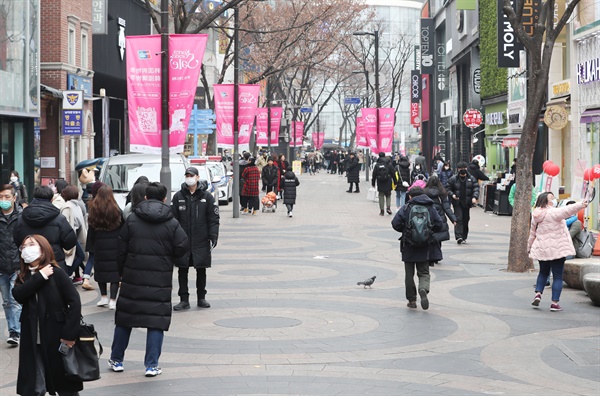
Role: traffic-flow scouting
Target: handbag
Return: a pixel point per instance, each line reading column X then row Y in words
column 82, row 362
column 585, row 244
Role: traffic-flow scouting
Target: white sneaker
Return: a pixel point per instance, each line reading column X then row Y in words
column 290, row 214
column 103, row 302
column 112, row 304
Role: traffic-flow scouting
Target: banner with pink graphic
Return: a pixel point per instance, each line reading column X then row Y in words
column 317, row 138
column 262, row 121
column 297, row 134
column 247, row 101
column 386, row 130
column 369, row 116
column 382, row 140
column 361, row 136
column 144, row 89
column 185, row 61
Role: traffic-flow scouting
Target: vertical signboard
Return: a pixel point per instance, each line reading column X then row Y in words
column 415, row 86
column 99, row 17
column 427, row 49
column 72, row 113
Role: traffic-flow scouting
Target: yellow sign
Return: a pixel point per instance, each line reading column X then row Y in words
column 297, row 167
column 556, row 117
column 561, row 88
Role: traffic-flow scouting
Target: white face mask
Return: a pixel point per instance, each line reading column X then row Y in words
column 30, row 254
column 554, row 202
column 14, row 178
column 190, row 181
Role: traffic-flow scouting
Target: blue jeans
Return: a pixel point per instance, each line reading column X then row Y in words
column 154, row 341
column 87, row 272
column 557, row 266
column 400, row 198
column 12, row 309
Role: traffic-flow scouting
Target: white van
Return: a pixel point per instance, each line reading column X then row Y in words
column 121, row 171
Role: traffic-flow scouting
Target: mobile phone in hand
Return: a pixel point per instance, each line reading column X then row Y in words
column 64, row 348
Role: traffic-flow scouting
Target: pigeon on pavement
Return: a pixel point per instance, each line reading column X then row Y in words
column 367, row 282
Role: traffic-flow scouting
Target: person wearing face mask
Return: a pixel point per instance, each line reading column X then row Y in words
column 464, row 191
column 445, row 174
column 550, row 243
column 51, row 315
column 198, row 213
column 418, row 172
column 9, row 262
column 20, row 189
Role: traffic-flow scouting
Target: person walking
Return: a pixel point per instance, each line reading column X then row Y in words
column 105, row 221
column 198, row 213
column 417, row 221
column 289, row 184
column 384, row 175
column 464, row 191
column 149, row 242
column 550, row 243
column 403, row 171
column 9, row 261
column 50, row 317
column 421, row 161
column 475, row 170
column 270, row 177
column 243, row 163
column 41, row 217
column 353, row 172
column 75, row 257
column 20, row 189
column 251, row 191
column 262, row 160
column 361, row 159
column 418, row 173
column 445, row 174
column 436, row 192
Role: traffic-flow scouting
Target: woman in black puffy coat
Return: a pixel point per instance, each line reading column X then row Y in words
column 439, row 196
column 289, row 182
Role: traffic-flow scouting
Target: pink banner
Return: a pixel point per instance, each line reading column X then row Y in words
column 144, row 93
column 361, row 136
column 386, row 130
column 317, row 138
column 186, row 52
column 297, row 132
column 144, row 89
column 369, row 116
column 247, row 102
column 262, row 121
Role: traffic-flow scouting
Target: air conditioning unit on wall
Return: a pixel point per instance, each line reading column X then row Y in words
column 446, row 108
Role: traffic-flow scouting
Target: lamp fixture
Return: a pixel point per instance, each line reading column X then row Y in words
column 89, row 73
column 78, row 71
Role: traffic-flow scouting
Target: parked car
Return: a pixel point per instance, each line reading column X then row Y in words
column 225, row 183
column 206, row 175
column 121, row 171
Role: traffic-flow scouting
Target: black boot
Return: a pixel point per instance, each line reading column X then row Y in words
column 357, row 190
column 381, row 213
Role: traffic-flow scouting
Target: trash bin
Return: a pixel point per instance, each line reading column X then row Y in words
column 501, row 204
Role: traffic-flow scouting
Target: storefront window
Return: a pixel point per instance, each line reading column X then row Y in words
column 587, row 16
column 19, row 58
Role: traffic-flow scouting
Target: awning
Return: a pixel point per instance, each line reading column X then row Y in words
column 561, row 101
column 57, row 93
column 511, row 140
column 590, row 115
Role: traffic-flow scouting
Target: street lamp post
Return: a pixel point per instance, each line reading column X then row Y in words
column 165, row 170
column 375, row 34
column 235, row 155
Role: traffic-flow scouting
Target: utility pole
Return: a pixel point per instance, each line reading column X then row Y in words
column 165, row 170
column 236, row 160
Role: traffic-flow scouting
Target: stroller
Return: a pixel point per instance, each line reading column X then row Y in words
column 269, row 202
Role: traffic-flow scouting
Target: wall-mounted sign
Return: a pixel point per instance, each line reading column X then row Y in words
column 556, row 117
column 561, row 88
column 73, row 100
column 440, row 67
column 508, row 46
column 79, row 83
column 427, row 38
column 99, row 17
column 121, row 37
column 514, row 119
column 472, row 118
column 588, row 71
column 477, row 81
column 497, row 118
column 72, row 113
column 415, row 86
column 415, row 120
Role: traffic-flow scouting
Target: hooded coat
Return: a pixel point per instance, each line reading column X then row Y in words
column 55, row 306
column 198, row 214
column 41, row 217
column 353, row 169
column 403, row 169
column 444, row 209
column 418, row 254
column 289, row 182
column 549, row 237
column 104, row 244
column 475, row 170
column 9, row 251
column 270, row 176
column 149, row 243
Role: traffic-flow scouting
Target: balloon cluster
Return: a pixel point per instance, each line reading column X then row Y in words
column 592, row 174
column 550, row 168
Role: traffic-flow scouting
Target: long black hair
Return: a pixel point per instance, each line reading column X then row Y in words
column 434, row 182
column 542, row 199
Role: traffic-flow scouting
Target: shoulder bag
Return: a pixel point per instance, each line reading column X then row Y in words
column 82, row 362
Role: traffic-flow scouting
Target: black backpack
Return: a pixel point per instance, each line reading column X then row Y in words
column 419, row 230
column 381, row 172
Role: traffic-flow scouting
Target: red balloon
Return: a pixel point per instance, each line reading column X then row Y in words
column 545, row 164
column 552, row 170
column 587, row 175
column 596, row 171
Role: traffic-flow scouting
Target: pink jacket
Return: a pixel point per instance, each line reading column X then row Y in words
column 549, row 237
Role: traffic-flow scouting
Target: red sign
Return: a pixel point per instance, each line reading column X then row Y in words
column 472, row 118
column 415, row 120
